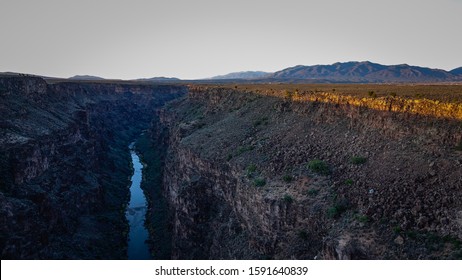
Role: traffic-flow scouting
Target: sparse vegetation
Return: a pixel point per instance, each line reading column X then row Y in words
column 358, row 160
column 313, row 192
column 397, row 229
column 259, row 182
column 434, row 242
column 243, row 149
column 338, row 208
column 288, row 198
column 319, row 167
column 349, row 182
column 251, row 169
column 287, row 178
column 362, row 218
column 288, row 94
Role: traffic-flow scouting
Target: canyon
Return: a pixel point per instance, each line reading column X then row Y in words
column 65, row 165
column 232, row 171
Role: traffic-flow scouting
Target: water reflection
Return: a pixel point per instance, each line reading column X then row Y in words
column 138, row 249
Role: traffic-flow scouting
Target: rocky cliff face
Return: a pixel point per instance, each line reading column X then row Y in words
column 65, row 165
column 255, row 175
column 247, row 174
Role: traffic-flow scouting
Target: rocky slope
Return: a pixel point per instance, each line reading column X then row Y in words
column 266, row 174
column 65, row 165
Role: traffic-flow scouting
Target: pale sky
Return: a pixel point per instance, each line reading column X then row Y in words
column 201, row 38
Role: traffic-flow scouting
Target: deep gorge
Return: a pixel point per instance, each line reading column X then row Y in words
column 230, row 173
column 66, row 165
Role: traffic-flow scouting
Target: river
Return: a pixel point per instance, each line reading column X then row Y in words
column 138, row 236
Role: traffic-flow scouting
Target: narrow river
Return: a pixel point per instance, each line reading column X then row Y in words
column 138, row 248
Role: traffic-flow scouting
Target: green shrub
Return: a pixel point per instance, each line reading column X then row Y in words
column 339, row 207
column 313, row 192
column 259, row 182
column 332, row 212
column 251, row 168
column 397, row 229
column 243, row 149
column 288, row 198
column 319, row 167
column 349, row 182
column 287, row 178
column 229, row 157
column 362, row 218
column 358, row 160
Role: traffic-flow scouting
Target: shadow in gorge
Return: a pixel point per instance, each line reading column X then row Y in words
column 66, row 165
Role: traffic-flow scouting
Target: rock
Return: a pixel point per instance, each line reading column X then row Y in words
column 399, row 240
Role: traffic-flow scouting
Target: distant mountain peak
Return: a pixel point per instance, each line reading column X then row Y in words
column 244, row 75
column 86, row 78
column 159, row 79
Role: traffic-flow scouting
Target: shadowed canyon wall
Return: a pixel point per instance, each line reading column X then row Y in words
column 65, row 166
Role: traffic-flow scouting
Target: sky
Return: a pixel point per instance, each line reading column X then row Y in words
column 203, row 38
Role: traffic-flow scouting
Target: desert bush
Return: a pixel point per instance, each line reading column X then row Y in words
column 358, row 160
column 259, row 182
column 288, row 198
column 338, row 208
column 319, row 167
column 287, row 178
column 313, row 192
column 362, row 218
column 251, row 169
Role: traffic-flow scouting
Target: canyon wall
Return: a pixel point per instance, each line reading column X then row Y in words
column 251, row 175
column 230, row 173
column 65, row 166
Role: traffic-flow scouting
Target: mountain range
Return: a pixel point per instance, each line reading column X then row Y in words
column 340, row 72
column 354, row 71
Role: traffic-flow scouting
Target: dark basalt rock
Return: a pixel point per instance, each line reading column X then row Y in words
column 65, row 165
